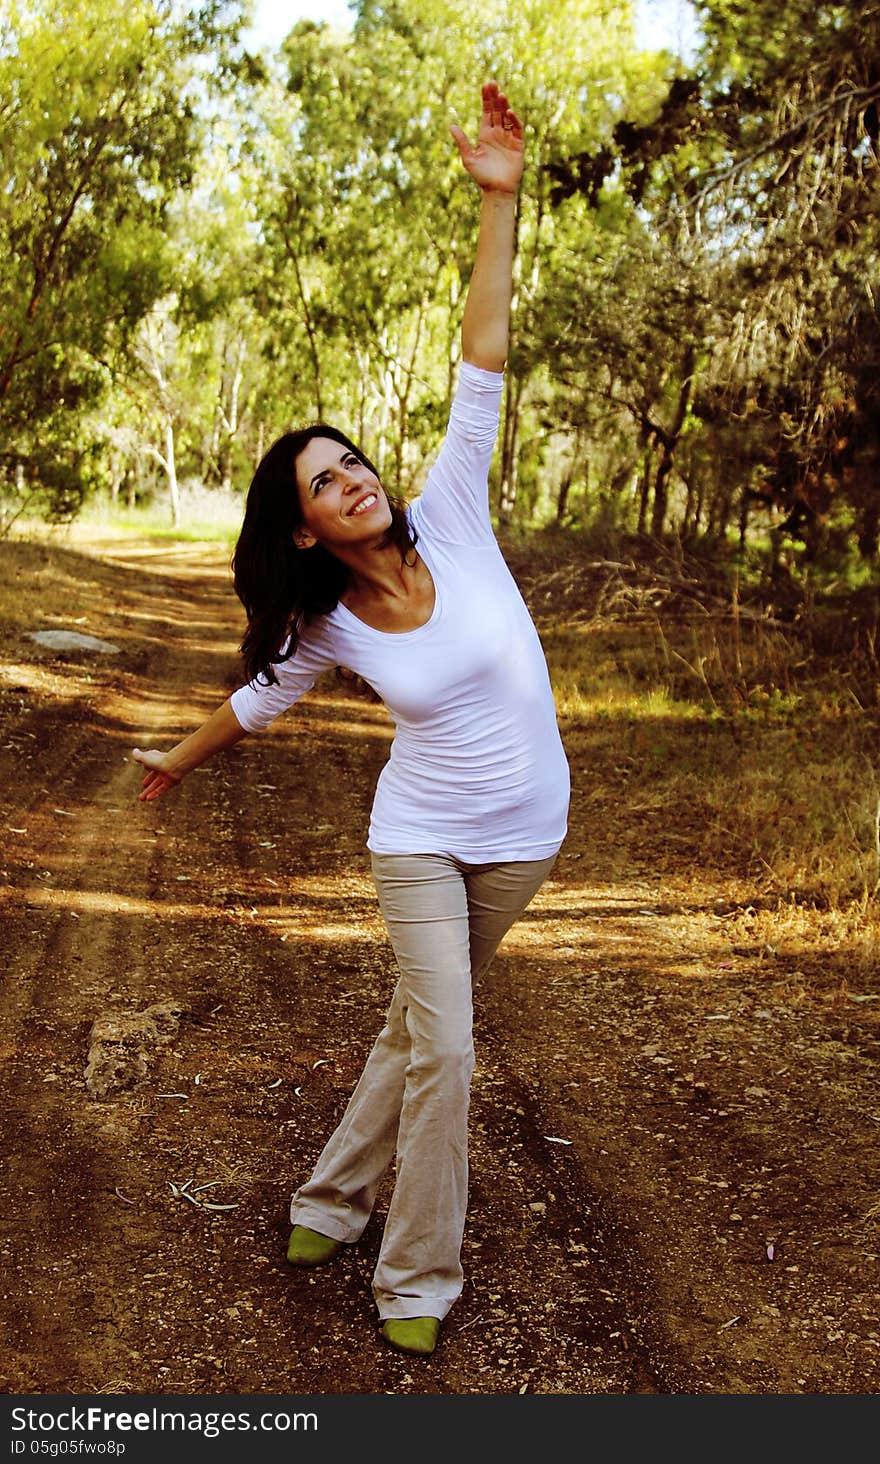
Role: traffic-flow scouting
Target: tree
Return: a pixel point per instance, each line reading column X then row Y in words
column 739, row 213
column 98, row 130
column 369, row 225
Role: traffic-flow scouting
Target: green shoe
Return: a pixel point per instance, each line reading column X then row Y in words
column 310, row 1248
column 412, row 1334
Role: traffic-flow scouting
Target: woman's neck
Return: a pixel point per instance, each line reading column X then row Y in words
column 379, row 572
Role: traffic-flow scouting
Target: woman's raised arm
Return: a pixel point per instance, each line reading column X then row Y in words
column 495, row 162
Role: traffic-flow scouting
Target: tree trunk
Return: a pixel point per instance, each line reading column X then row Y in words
column 868, row 530
column 661, row 493
column 231, row 423
column 669, row 444
column 309, row 324
column 404, row 392
column 688, row 521
column 384, row 415
column 453, row 340
column 575, row 464
column 171, row 470
column 699, row 503
column 645, row 485
column 510, row 450
column 234, row 414
column 743, row 519
column 515, row 385
column 562, row 494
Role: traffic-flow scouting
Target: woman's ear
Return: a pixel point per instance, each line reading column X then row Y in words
column 303, row 539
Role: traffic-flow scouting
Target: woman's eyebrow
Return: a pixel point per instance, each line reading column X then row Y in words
column 343, row 455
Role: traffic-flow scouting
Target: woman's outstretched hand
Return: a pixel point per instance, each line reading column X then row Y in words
column 157, row 779
column 497, row 158
column 166, row 769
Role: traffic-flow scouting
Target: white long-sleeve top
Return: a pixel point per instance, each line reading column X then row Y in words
column 476, row 769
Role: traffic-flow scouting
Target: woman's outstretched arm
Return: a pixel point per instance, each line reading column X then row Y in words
column 166, row 769
column 495, row 162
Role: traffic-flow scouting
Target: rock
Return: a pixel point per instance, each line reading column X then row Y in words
column 122, row 1043
column 73, row 640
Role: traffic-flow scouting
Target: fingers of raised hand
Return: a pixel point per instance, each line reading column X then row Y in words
column 494, row 101
column 512, row 124
column 497, row 111
column 494, row 105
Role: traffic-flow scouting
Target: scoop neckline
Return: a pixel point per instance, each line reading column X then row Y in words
column 399, row 635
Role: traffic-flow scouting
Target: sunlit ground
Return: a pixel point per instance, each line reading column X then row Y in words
column 694, row 747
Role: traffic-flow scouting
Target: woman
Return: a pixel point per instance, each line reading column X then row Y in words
column 471, row 807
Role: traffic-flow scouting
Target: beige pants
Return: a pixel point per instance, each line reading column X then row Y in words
column 445, row 920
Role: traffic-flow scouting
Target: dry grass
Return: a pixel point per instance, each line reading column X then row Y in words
column 714, row 739
column 726, row 736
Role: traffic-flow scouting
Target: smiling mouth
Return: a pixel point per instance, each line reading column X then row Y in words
column 363, row 505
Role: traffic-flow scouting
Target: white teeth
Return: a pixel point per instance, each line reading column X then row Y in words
column 364, row 504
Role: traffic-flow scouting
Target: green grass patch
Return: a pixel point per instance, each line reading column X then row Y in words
column 206, row 516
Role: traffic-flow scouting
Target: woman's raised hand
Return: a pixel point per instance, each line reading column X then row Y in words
column 157, row 779
column 497, row 158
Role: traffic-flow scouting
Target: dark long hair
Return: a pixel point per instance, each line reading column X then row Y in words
column 280, row 586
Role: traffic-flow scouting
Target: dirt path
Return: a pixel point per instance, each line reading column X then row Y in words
column 674, row 1167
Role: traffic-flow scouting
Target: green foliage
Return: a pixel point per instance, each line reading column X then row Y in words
column 368, row 221
column 729, row 237
column 200, row 248
column 98, row 130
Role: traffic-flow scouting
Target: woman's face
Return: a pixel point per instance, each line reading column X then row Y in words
column 342, row 501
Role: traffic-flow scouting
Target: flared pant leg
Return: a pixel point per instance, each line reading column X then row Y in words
column 445, row 919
